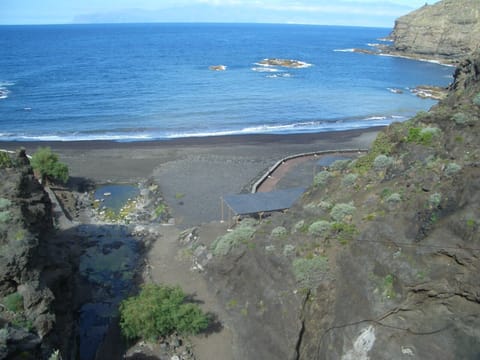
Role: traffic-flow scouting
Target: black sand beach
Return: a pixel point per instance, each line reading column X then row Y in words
column 193, row 173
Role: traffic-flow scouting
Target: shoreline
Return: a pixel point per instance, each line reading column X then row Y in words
column 243, row 139
column 193, row 173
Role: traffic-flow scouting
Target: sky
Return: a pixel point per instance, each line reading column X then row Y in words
column 373, row 13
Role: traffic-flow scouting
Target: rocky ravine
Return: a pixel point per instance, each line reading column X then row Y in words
column 449, row 29
column 381, row 257
column 36, row 271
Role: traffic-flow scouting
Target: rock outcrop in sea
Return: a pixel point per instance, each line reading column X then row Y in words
column 449, row 29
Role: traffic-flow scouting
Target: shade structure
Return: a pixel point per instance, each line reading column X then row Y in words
column 245, row 204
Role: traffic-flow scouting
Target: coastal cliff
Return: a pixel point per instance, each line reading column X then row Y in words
column 449, row 29
column 379, row 259
column 35, row 270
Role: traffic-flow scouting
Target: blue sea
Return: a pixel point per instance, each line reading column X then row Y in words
column 135, row 82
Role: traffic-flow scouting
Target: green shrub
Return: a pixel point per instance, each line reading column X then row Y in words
column 319, row 227
column 46, row 163
column 288, row 250
column 349, row 179
column 5, row 160
column 13, row 302
column 340, row 164
column 279, row 232
column 4, row 216
column 299, row 226
column 394, row 198
column 460, row 118
column 382, row 145
column 434, row 200
column 309, row 272
column 243, row 232
column 160, row 311
column 340, row 211
column 476, row 99
column 382, row 162
column 452, row 169
column 423, row 136
column 160, row 210
column 321, row 178
column 4, row 203
column 344, row 232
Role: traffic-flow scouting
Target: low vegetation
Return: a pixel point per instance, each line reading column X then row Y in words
column 48, row 166
column 240, row 234
column 160, row 310
column 310, row 272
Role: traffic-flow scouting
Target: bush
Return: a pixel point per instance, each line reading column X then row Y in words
column 452, row 168
column 319, row 227
column 341, row 211
column 160, row 311
column 4, row 216
column 349, row 179
column 382, row 162
column 394, row 198
column 476, row 99
column 5, row 160
column 4, row 203
column 460, row 118
column 309, row 272
column 434, row 200
column 279, row 232
column 13, row 302
column 423, row 136
column 340, row 164
column 243, row 232
column 321, row 178
column 46, row 163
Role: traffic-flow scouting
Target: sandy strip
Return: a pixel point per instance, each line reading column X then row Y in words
column 193, row 173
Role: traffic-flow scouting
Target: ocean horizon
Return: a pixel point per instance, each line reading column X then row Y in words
column 139, row 82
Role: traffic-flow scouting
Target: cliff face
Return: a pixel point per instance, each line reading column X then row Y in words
column 448, row 29
column 34, row 275
column 380, row 259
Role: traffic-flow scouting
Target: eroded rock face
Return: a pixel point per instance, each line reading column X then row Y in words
column 32, row 266
column 447, row 29
column 394, row 277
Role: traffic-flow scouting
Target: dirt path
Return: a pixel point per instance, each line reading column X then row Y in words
column 168, row 264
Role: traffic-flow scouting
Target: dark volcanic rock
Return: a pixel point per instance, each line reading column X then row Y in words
column 397, row 276
column 33, row 268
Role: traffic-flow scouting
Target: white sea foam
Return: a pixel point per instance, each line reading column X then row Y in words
column 376, row 118
column 265, row 69
column 344, row 50
column 4, row 89
column 419, row 59
column 281, row 75
column 373, row 44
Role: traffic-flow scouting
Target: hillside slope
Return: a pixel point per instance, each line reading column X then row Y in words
column 381, row 257
column 447, row 29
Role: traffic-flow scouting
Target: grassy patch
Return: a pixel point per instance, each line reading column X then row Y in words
column 5, row 160
column 382, row 162
column 381, row 146
column 343, row 232
column 387, row 287
column 242, row 233
column 423, row 136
